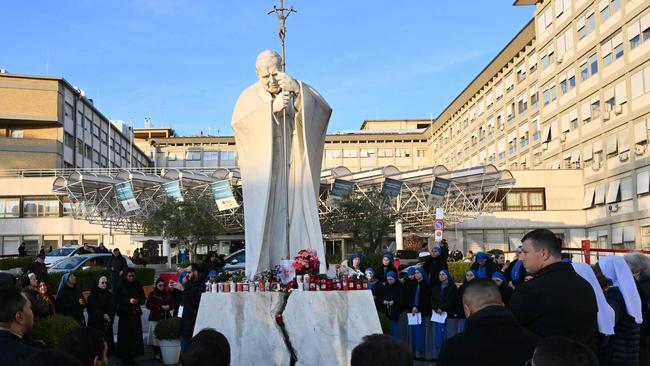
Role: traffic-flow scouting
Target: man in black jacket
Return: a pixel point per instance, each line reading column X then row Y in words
column 557, row 301
column 16, row 319
column 192, row 287
column 38, row 268
column 117, row 266
column 489, row 327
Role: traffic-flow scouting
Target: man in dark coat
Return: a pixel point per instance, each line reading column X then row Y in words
column 192, row 288
column 22, row 250
column 38, row 268
column 557, row 301
column 101, row 249
column 489, row 327
column 130, row 297
column 16, row 319
column 117, row 266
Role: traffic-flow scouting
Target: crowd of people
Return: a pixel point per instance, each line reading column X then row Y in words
column 520, row 306
column 539, row 309
column 118, row 299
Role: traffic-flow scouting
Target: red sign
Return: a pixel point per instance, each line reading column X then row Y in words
column 439, row 224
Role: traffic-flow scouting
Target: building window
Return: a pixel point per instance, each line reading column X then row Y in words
column 534, row 98
column 385, row 153
column 512, row 146
column 612, row 49
column 524, row 140
column 421, row 153
column 609, row 7
column 227, row 155
column 40, row 207
column 350, row 153
column 367, row 153
column 193, row 155
column 595, row 109
column 171, row 156
column 401, row 153
column 89, row 152
column 639, row 31
column 550, row 94
column 9, row 208
column 589, row 66
column 68, row 140
column 67, row 110
column 211, row 155
column 531, row 199
column 586, row 23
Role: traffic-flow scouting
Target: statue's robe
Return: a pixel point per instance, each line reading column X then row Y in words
column 259, row 138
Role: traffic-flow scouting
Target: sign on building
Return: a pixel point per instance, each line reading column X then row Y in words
column 124, row 193
column 439, row 187
column 173, row 190
column 223, row 195
column 392, row 187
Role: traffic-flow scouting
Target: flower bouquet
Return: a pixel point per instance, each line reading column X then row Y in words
column 306, row 262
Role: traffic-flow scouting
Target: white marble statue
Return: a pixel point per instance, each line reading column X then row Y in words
column 257, row 124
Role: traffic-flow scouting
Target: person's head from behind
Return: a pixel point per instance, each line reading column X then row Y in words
column 381, row 350
column 562, row 351
column 51, row 358
column 481, row 258
column 207, row 348
column 33, row 281
column 639, row 264
column 86, row 345
column 479, row 294
column 15, row 311
column 540, row 248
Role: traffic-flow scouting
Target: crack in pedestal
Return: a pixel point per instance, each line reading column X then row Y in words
column 279, row 321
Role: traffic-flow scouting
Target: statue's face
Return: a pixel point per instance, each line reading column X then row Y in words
column 268, row 70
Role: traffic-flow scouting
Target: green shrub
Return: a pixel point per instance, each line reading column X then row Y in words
column 87, row 279
column 51, row 329
column 494, row 252
column 371, row 260
column 168, row 329
column 385, row 323
column 407, row 254
column 15, row 262
column 458, row 269
column 145, row 275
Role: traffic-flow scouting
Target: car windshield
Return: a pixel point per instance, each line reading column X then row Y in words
column 60, row 252
column 70, row 263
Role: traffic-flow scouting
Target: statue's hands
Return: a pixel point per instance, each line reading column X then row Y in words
column 281, row 101
column 287, row 83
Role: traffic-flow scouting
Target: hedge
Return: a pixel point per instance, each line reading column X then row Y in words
column 458, row 269
column 51, row 329
column 15, row 262
column 87, row 279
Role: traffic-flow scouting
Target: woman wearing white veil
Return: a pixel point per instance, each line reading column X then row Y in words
column 622, row 295
column 606, row 316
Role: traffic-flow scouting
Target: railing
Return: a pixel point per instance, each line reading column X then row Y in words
column 592, row 255
column 31, row 173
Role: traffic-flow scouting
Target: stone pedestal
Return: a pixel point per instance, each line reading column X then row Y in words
column 247, row 319
column 322, row 327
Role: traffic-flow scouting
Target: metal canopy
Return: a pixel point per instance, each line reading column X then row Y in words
column 90, row 194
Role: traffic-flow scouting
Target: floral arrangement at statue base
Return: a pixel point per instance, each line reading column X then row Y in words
column 300, row 274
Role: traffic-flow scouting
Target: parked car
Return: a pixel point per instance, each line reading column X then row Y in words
column 84, row 262
column 235, row 261
column 62, row 253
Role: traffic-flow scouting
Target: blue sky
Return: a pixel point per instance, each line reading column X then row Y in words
column 183, row 63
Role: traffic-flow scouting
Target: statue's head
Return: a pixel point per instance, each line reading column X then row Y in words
column 268, row 67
